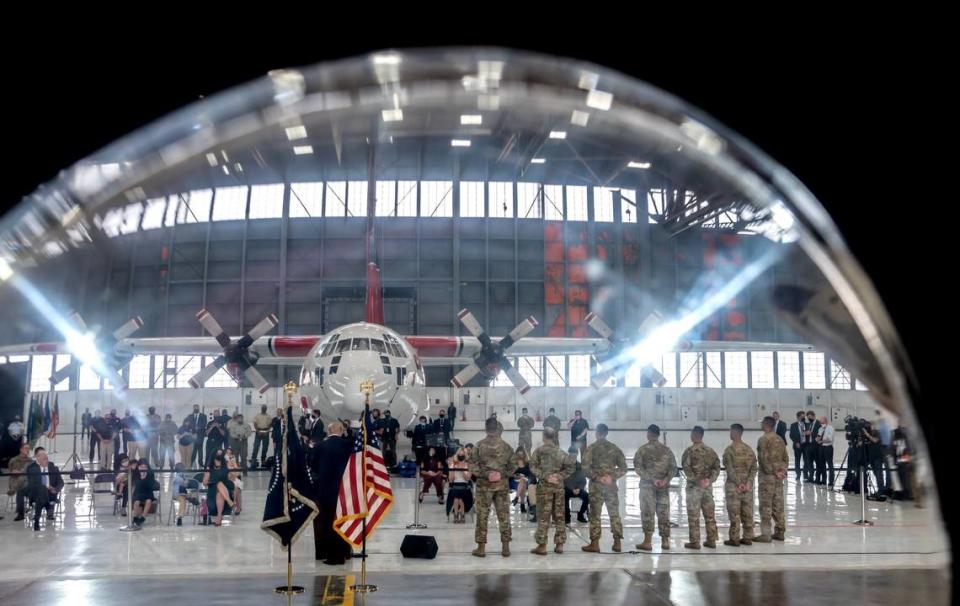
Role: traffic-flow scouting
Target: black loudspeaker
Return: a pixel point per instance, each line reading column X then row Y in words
column 419, row 546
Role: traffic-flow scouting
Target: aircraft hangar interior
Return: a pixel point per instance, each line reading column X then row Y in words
column 451, row 235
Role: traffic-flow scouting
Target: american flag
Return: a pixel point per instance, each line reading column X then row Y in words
column 364, row 494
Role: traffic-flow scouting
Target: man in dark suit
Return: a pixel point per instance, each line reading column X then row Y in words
column 44, row 484
column 391, row 427
column 327, row 462
column 315, row 429
column 796, row 436
column 809, row 445
column 442, row 427
column 420, row 439
column 779, row 427
column 197, row 422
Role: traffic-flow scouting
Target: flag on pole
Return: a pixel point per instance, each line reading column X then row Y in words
column 46, row 415
column 54, row 417
column 31, row 418
column 288, row 510
column 365, row 491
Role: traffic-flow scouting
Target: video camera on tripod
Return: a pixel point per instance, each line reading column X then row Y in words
column 854, row 428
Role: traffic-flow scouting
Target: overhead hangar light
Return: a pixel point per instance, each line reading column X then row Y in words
column 296, row 132
column 212, row 159
column 599, row 99
column 579, row 118
column 392, row 115
column 471, row 119
column 537, row 161
column 635, row 164
column 460, row 142
column 558, row 134
column 302, row 150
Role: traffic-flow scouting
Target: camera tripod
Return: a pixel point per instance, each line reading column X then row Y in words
column 865, row 484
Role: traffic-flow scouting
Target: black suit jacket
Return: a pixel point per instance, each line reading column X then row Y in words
column 781, row 430
column 198, row 425
column 34, row 477
column 329, row 459
column 420, row 436
column 317, row 433
column 795, row 436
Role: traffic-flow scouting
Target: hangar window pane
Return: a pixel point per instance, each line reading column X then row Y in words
column 501, row 199
column 436, row 199
column 406, row 199
column 336, row 199
column 667, row 366
column 553, row 202
column 713, row 370
column 42, row 369
column 736, row 369
column 194, row 206
column 611, row 381
column 788, row 369
column 691, row 369
column 628, row 205
column 839, row 377
column 186, row 366
column 386, row 198
column 111, row 221
column 578, row 374
column 131, row 218
column 576, row 203
column 813, row 371
column 761, row 366
column 531, row 369
column 306, row 199
column 230, row 203
column 472, row 199
column 529, row 200
column 602, row 204
column 633, row 376
column 860, row 386
column 153, row 214
column 556, row 370
column 139, row 372
column 502, row 380
column 656, row 203
column 266, row 201
column 357, row 199
column 88, row 379
column 221, row 378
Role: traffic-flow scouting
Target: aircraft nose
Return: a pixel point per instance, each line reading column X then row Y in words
column 353, row 398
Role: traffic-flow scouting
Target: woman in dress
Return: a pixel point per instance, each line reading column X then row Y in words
column 219, row 488
column 143, row 483
column 460, row 496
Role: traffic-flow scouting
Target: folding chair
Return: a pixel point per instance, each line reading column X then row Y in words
column 104, row 478
column 192, row 495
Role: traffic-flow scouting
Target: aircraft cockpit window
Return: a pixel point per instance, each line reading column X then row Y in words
column 328, row 348
column 343, row 346
column 361, row 344
column 378, row 346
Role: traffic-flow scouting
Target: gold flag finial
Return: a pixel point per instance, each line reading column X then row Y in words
column 290, row 388
column 366, row 388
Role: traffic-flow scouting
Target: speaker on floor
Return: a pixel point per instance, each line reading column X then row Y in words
column 419, row 546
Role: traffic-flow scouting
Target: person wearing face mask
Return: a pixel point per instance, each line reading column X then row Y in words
column 578, row 431
column 442, row 427
column 197, row 423
column 460, row 494
column 143, row 482
column 391, row 427
column 420, row 440
column 315, row 428
column 809, row 445
column 329, row 460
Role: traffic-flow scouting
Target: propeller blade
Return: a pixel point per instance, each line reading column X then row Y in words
column 262, row 328
column 256, row 379
column 515, row 377
column 206, row 373
column 650, row 324
column 213, row 327
column 116, row 380
column 64, row 372
column 129, row 327
column 466, row 373
column 78, row 320
column 522, row 329
column 470, row 322
column 654, row 375
column 596, row 323
column 601, row 378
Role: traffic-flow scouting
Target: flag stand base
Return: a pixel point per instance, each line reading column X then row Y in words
column 291, row 590
column 362, row 586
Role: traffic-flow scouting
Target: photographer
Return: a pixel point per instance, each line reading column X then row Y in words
column 875, row 453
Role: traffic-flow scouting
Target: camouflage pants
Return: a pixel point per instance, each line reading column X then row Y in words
column 501, row 503
column 601, row 495
column 771, row 504
column 550, row 505
column 740, row 511
column 700, row 500
column 653, row 499
column 526, row 441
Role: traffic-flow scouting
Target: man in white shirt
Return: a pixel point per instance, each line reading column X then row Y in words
column 825, row 459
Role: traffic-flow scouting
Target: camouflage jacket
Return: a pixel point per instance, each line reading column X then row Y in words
column 700, row 462
column 525, row 424
column 553, row 421
column 549, row 459
column 654, row 461
column 18, row 464
column 492, row 454
column 740, row 463
column 603, row 457
column 771, row 454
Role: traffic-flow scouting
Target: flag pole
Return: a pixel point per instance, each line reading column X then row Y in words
column 366, row 388
column 289, row 589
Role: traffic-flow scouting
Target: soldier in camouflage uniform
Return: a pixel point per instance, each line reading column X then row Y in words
column 491, row 462
column 701, row 466
column 604, row 464
column 741, row 466
column 525, row 423
column 551, row 466
column 656, row 466
column 772, row 460
column 553, row 421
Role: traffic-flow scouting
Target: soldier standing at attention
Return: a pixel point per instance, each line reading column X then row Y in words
column 741, row 466
column 525, row 423
column 552, row 421
column 772, row 460
column 551, row 466
column 656, row 466
column 701, row 466
column 604, row 464
column 491, row 462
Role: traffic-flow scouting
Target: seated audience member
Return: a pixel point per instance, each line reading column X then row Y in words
column 460, row 495
column 142, row 480
column 18, row 483
column 576, row 486
column 525, row 480
column 178, row 488
column 122, row 471
column 44, row 484
column 233, row 465
column 219, row 488
column 431, row 473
